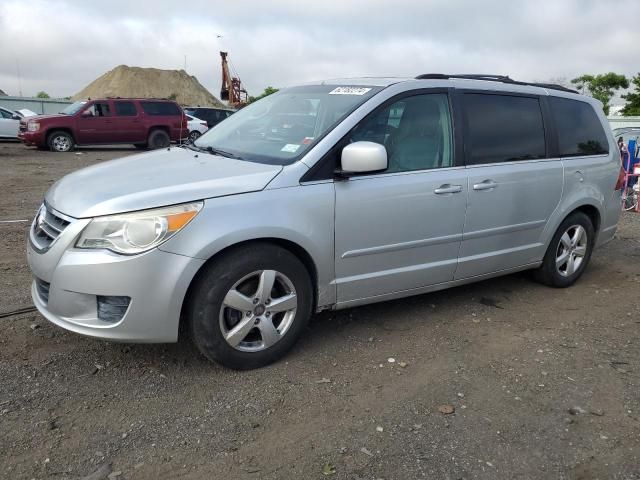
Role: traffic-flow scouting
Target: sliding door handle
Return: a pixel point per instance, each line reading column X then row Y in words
column 486, row 185
column 447, row 188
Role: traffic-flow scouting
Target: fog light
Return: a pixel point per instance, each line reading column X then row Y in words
column 112, row 309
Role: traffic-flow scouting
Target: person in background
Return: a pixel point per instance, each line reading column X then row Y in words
column 624, row 153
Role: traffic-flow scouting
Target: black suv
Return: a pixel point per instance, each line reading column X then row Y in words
column 212, row 116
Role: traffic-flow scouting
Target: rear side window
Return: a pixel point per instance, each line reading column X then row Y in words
column 160, row 108
column 125, row 109
column 579, row 129
column 502, row 128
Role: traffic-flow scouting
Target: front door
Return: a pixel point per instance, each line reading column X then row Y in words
column 95, row 124
column 514, row 186
column 401, row 229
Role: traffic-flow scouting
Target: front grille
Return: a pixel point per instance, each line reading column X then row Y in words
column 42, row 288
column 47, row 227
column 23, row 126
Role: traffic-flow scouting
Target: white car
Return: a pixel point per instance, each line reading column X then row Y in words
column 196, row 127
column 9, row 123
column 25, row 112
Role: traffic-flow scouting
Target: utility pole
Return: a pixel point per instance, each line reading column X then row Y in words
column 19, row 77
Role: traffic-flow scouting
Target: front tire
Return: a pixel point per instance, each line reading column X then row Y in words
column 568, row 253
column 60, row 142
column 250, row 306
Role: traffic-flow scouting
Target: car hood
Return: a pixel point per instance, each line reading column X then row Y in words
column 155, row 179
column 45, row 117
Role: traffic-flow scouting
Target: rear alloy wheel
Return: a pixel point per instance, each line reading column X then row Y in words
column 248, row 308
column 193, row 136
column 571, row 250
column 568, row 253
column 158, row 139
column 60, row 142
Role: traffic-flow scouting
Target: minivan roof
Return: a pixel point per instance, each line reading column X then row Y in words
column 481, row 82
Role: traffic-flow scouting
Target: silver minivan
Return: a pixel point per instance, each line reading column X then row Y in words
column 327, row 196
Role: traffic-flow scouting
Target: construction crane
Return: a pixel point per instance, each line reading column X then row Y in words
column 232, row 90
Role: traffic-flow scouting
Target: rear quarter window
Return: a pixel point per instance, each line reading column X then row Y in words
column 160, row 108
column 579, row 129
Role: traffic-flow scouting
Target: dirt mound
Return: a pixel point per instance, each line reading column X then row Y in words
column 124, row 81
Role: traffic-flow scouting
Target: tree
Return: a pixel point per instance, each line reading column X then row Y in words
column 601, row 87
column 632, row 107
column 42, row 95
column 173, row 96
column 267, row 91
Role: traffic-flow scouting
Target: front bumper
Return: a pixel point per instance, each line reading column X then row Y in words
column 36, row 138
column 156, row 282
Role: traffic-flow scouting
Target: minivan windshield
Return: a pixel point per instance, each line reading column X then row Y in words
column 280, row 128
column 73, row 108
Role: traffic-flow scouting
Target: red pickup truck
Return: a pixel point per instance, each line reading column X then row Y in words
column 146, row 123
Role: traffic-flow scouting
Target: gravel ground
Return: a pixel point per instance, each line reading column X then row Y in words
column 542, row 383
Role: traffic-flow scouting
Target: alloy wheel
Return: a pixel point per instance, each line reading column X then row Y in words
column 61, row 143
column 571, row 250
column 258, row 310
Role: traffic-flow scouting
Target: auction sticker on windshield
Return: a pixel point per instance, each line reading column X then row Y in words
column 349, row 91
column 290, row 147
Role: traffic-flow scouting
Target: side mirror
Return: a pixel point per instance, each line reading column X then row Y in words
column 363, row 157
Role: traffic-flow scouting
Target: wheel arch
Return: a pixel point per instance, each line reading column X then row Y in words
column 300, row 252
column 164, row 128
column 51, row 130
column 590, row 209
column 593, row 213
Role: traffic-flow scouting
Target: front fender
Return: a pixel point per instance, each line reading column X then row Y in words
column 301, row 214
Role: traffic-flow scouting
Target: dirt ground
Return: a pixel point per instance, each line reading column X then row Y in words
column 545, row 383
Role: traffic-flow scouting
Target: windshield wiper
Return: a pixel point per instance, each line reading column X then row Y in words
column 191, row 146
column 222, row 153
column 212, row 151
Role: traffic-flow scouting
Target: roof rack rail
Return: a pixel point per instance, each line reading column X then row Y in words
column 492, row 78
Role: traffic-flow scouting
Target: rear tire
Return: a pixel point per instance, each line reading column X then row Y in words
column 193, row 136
column 250, row 306
column 158, row 139
column 568, row 253
column 60, row 141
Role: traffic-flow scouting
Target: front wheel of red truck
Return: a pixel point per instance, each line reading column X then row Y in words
column 60, row 141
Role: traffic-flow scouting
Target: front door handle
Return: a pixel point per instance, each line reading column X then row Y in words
column 486, row 185
column 447, row 188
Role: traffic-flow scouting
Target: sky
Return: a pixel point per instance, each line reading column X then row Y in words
column 60, row 46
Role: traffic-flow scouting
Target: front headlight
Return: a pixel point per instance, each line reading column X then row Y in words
column 137, row 232
column 33, row 126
